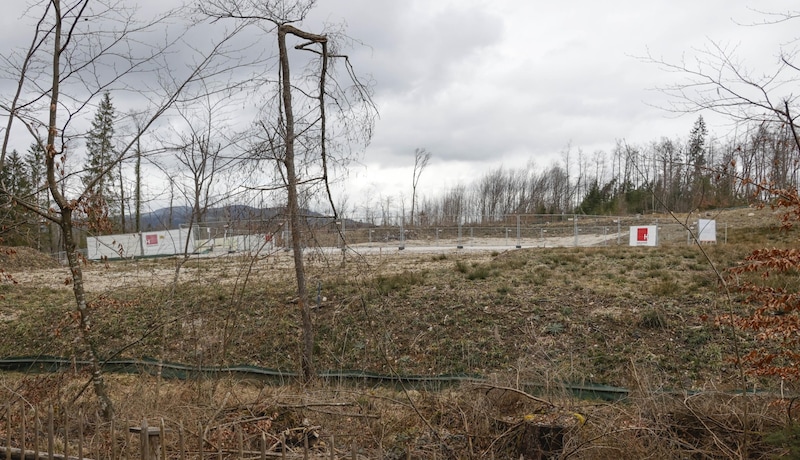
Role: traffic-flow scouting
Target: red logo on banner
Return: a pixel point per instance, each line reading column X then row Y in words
column 641, row 234
column 151, row 240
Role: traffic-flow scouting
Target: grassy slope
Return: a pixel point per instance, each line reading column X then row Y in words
column 586, row 314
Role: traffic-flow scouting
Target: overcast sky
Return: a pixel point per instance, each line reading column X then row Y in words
column 484, row 83
column 488, row 83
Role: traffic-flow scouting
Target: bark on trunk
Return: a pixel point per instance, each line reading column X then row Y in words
column 64, row 221
column 84, row 316
column 307, row 361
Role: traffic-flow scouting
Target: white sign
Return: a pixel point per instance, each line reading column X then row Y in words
column 644, row 235
column 706, row 231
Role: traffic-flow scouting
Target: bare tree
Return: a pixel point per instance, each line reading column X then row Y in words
column 70, row 61
column 308, row 137
column 421, row 158
column 199, row 160
column 715, row 80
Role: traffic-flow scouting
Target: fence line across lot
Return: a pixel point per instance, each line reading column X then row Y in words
column 58, row 434
column 359, row 234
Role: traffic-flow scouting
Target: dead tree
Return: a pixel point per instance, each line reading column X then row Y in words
column 79, row 50
column 311, row 132
column 421, row 158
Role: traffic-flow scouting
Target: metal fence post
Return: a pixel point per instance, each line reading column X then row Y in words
column 402, row 235
column 575, row 226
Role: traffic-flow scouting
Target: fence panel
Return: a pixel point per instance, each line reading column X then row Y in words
column 514, row 231
column 67, row 435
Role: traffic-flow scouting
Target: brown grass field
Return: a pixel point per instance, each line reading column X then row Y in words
column 525, row 323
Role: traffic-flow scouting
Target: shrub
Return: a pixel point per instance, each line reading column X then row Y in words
column 461, row 267
column 554, row 328
column 399, row 281
column 481, row 272
column 787, row 438
column 667, row 288
column 652, row 319
column 768, row 279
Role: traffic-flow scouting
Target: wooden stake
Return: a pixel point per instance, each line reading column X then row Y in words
column 22, row 438
column 36, row 433
column 8, row 430
column 80, row 434
column 240, row 437
column 263, row 446
column 163, row 439
column 66, row 433
column 181, row 441
column 50, row 440
column 113, row 440
column 202, row 440
column 144, row 441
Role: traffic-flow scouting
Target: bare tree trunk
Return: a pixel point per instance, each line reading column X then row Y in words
column 122, row 199
column 307, row 362
column 64, row 221
column 138, row 190
column 84, row 316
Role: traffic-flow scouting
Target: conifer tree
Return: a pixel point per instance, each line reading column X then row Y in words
column 103, row 199
column 34, row 159
column 15, row 221
column 15, row 175
column 697, row 144
column 696, row 157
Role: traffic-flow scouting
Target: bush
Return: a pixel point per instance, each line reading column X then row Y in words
column 652, row 319
column 399, row 281
column 480, row 272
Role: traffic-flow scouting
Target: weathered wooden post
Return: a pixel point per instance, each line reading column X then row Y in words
column 24, row 433
column 113, row 440
column 80, row 434
column 149, row 439
column 8, row 430
column 36, row 434
column 50, row 440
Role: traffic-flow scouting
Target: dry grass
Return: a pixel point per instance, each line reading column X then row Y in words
column 532, row 318
column 488, row 420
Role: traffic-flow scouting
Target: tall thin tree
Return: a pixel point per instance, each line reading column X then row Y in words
column 299, row 144
column 421, row 159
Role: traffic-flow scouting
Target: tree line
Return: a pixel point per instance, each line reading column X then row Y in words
column 699, row 172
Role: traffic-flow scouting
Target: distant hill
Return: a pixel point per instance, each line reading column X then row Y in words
column 175, row 217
